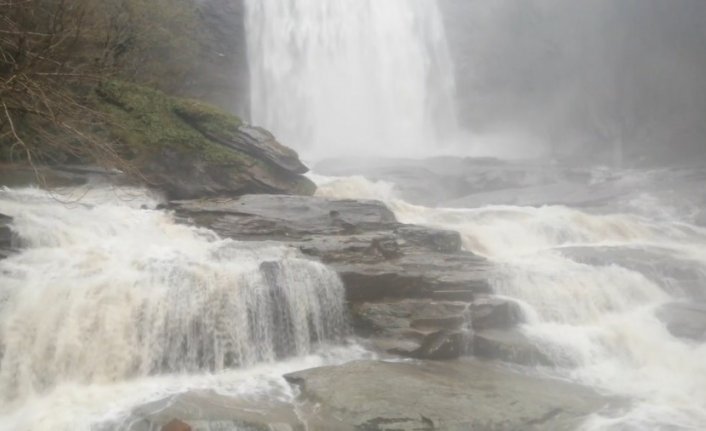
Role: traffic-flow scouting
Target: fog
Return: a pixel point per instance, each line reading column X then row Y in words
column 606, row 81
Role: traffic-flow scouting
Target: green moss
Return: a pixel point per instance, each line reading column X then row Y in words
column 146, row 121
column 206, row 118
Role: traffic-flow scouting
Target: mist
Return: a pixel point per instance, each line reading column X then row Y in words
column 614, row 82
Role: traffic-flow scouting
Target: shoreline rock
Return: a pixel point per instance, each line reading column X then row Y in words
column 190, row 149
column 457, row 395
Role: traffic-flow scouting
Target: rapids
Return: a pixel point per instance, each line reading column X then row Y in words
column 111, row 296
column 585, row 306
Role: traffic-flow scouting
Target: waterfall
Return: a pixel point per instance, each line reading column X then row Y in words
column 351, row 76
column 106, row 289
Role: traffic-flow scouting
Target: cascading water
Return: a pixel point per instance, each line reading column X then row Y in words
column 351, row 76
column 591, row 286
column 104, row 291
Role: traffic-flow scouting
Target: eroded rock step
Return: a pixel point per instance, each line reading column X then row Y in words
column 457, row 395
column 412, row 290
column 376, row 257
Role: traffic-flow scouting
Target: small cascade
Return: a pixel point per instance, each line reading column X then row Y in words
column 105, row 290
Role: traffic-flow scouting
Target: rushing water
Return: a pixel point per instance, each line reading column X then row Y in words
column 107, row 293
column 587, row 306
column 345, row 76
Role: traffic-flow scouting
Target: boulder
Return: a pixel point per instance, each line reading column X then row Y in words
column 6, row 236
column 443, row 345
column 685, row 320
column 457, row 395
column 207, row 410
column 509, row 346
column 417, row 328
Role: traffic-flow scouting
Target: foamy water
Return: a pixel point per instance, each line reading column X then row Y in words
column 109, row 303
column 597, row 320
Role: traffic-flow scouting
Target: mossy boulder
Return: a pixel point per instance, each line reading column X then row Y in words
column 190, row 149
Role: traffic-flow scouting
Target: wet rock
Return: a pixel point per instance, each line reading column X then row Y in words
column 685, row 320
column 408, row 327
column 190, row 149
column 176, row 425
column 209, row 411
column 254, row 217
column 443, row 345
column 509, row 346
column 442, row 241
column 401, row 327
column 495, row 313
column 25, row 176
column 6, row 236
column 451, row 396
column 376, row 257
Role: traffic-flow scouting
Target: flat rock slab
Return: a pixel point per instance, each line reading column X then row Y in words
column 452, row 396
column 209, row 411
column 685, row 320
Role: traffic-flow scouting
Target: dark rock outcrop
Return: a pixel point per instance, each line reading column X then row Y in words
column 428, row 329
column 509, row 346
column 176, row 425
column 190, row 149
column 450, row 396
column 207, row 410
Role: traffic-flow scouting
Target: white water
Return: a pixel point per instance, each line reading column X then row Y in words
column 351, row 76
column 596, row 320
column 109, row 304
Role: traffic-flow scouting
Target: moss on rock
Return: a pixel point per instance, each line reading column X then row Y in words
column 183, row 145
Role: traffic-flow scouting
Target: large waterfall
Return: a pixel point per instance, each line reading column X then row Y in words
column 108, row 290
column 351, row 76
